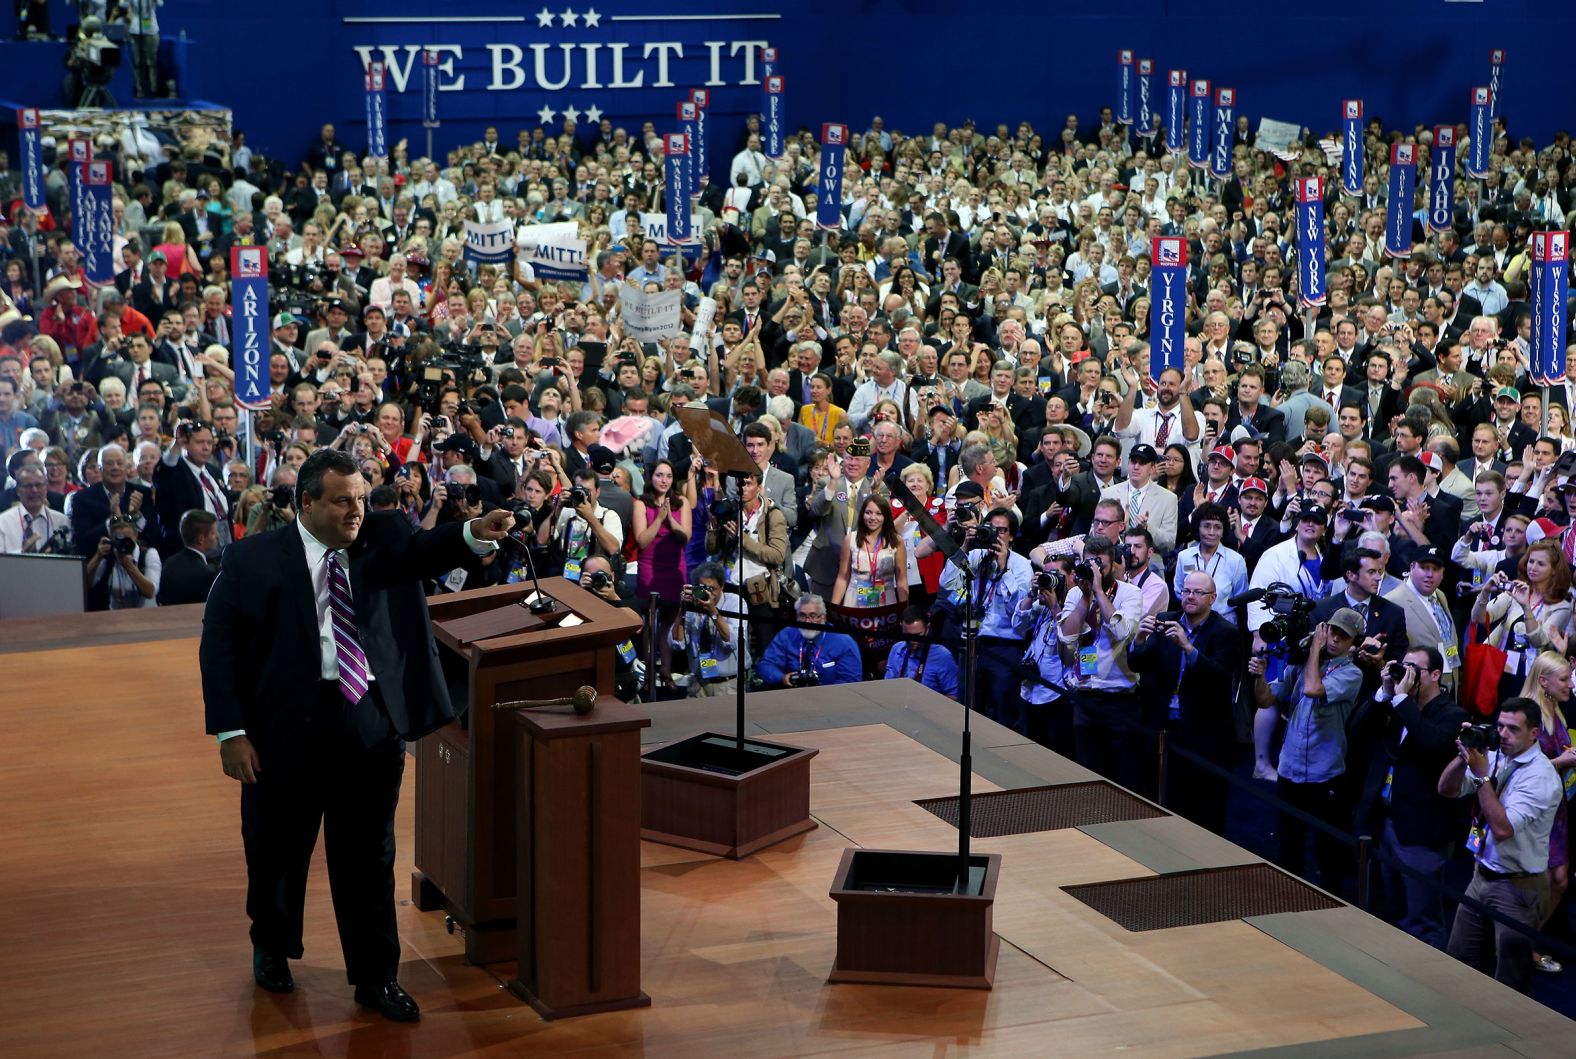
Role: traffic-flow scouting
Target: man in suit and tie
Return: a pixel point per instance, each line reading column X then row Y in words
column 1147, row 503
column 1253, row 530
column 189, row 573
column 138, row 366
column 1428, row 620
column 1186, row 668
column 317, row 665
column 1332, row 388
column 833, row 505
column 1363, row 571
column 186, row 479
column 941, row 244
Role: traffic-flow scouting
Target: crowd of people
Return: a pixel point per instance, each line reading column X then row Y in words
column 1340, row 510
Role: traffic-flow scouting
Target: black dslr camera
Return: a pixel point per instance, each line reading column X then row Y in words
column 282, row 496
column 806, row 678
column 1050, row 579
column 1484, row 737
column 125, row 545
column 598, row 580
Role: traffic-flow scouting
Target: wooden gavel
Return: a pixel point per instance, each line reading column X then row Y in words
column 583, row 701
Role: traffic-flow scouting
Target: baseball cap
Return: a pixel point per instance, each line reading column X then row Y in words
column 1143, row 454
column 157, row 255
column 1314, row 513
column 861, row 447
column 340, row 304
column 602, row 459
column 1432, row 461
column 1376, row 502
column 968, row 490
column 1430, row 554
column 1223, row 452
column 1315, row 457
column 1348, row 621
column 1542, row 528
column 456, row 443
column 1253, row 484
column 352, row 250
column 399, row 329
column 284, row 320
column 1507, row 391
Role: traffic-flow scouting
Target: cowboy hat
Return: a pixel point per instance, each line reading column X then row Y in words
column 61, row 283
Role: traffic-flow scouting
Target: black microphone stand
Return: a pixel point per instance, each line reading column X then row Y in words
column 948, row 547
column 540, row 602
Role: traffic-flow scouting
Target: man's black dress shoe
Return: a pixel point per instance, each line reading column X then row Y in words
column 272, row 972
column 388, row 1000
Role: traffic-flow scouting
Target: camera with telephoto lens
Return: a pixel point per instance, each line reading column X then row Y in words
column 125, row 545
column 464, row 498
column 986, row 536
column 1483, row 737
column 1290, row 625
column 724, row 509
column 578, row 496
column 806, row 678
column 281, row 496
column 597, row 580
column 1052, row 580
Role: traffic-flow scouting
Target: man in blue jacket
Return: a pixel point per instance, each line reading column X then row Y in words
column 794, row 654
column 930, row 664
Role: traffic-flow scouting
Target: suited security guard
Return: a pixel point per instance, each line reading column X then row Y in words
column 317, row 664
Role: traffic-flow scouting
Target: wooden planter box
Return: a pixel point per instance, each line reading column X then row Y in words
column 899, row 921
column 703, row 793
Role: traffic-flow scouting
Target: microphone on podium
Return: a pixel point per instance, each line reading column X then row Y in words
column 582, row 702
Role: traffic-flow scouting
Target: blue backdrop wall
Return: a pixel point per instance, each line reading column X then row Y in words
column 286, row 66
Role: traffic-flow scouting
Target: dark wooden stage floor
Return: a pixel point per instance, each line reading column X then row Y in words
column 123, row 933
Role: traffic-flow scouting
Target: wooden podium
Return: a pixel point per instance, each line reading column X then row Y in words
column 578, row 808
column 467, row 773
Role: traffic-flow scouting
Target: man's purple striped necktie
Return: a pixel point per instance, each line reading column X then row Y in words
column 352, row 659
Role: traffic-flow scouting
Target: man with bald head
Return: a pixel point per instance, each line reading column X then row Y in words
column 1183, row 658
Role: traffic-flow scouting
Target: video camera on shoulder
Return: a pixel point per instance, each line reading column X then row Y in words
column 1290, row 627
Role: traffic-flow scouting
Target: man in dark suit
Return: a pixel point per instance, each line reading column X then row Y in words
column 1253, row 410
column 189, row 573
column 942, row 243
column 113, row 494
column 1253, row 529
column 317, row 664
column 187, row 478
column 1417, row 729
column 1186, row 668
column 1363, row 571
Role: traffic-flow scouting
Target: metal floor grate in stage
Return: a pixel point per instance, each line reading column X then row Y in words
column 1208, row 895
column 1031, row 809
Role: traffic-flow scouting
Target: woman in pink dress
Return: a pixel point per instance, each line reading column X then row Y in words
column 662, row 528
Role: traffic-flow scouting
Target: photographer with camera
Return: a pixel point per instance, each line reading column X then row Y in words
column 584, row 526
column 1516, row 794
column 122, row 573
column 1044, row 713
column 1001, row 578
column 1420, row 828
column 1098, row 620
column 765, row 545
column 601, row 580
column 807, row 658
column 710, row 638
column 1186, row 661
column 1317, row 698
